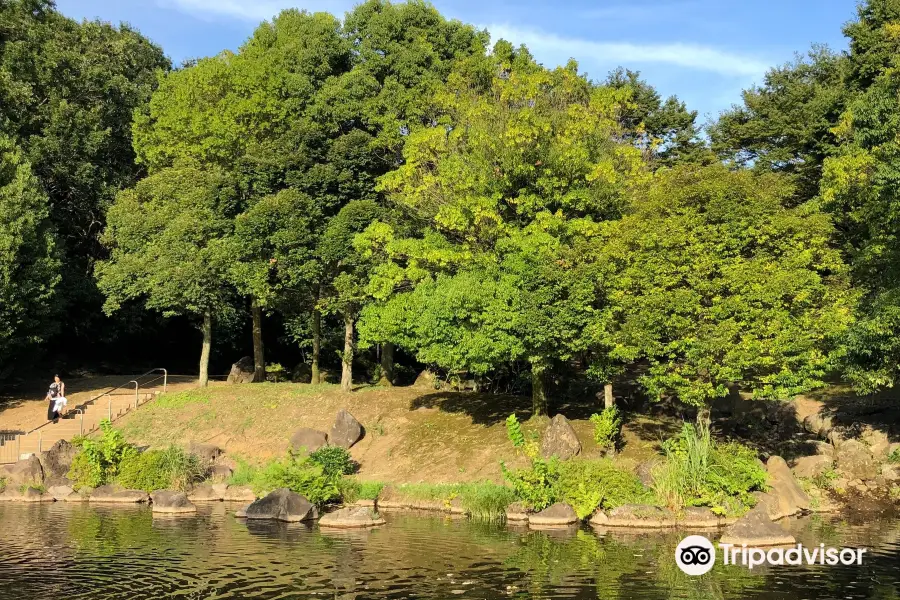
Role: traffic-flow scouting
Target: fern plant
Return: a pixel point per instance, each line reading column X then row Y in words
column 607, row 428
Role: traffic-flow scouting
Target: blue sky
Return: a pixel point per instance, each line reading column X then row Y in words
column 705, row 51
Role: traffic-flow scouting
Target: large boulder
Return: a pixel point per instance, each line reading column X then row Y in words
column 640, row 516
column 516, row 512
column 109, row 494
column 818, row 424
column 855, row 459
column 756, row 529
column 239, row 493
column 243, row 371
column 427, row 379
column 171, row 502
column 310, row 439
column 26, row 494
column 302, row 373
column 785, row 497
column 283, row 505
column 877, row 440
column 557, row 515
column 56, row 463
column 890, row 472
column 60, row 492
column 346, row 430
column 208, row 492
column 207, row 453
column 219, row 472
column 560, row 439
column 811, row 467
column 27, row 471
column 352, row 517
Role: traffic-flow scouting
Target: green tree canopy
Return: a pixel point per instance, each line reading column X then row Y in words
column 716, row 283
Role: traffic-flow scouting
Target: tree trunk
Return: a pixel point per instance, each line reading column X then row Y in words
column 608, row 400
column 316, row 344
column 539, row 387
column 347, row 360
column 259, row 358
column 207, row 345
column 387, row 364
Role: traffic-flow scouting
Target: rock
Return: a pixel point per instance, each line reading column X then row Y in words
column 243, row 371
column 698, row 517
column 818, row 424
column 302, row 373
column 855, row 459
column 107, row 493
column 283, row 505
column 219, row 473
column 25, row 495
column 427, row 379
column 241, row 513
column 346, row 430
column 878, row 442
column 27, row 471
column 810, row 467
column 557, row 515
column 207, row 453
column 756, row 529
column 785, row 497
column 310, row 439
column 890, row 472
column 171, row 502
column 56, row 463
column 60, row 492
column 599, row 518
column 366, row 503
column 641, row 516
column 560, row 440
column 208, row 493
column 823, row 448
column 516, row 512
column 352, row 517
column 239, row 493
column 840, row 485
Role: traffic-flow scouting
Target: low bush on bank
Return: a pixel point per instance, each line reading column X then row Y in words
column 172, row 469
column 352, row 490
column 698, row 471
column 98, row 461
column 480, row 499
column 607, row 429
column 316, row 476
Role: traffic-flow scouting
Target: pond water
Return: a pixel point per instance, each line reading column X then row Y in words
column 84, row 551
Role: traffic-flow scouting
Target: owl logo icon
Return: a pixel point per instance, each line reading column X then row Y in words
column 695, row 555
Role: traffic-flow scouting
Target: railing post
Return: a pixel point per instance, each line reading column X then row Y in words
column 18, row 447
column 81, row 433
column 165, row 380
column 109, row 409
column 40, row 442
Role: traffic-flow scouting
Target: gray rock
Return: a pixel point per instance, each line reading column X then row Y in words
column 60, row 492
column 171, row 502
column 283, row 505
column 352, row 517
column 818, row 424
column 309, row 439
column 698, row 517
column 27, row 471
column 207, row 453
column 346, row 430
column 56, row 463
column 855, row 459
column 878, row 442
column 560, row 440
column 427, row 379
column 219, row 472
column 302, row 373
column 239, row 493
column 890, row 472
column 25, row 495
column 810, row 467
column 785, row 496
column 823, row 448
column 516, row 512
column 243, row 371
column 208, row 493
column 108, row 493
column 756, row 529
column 557, row 515
column 641, row 516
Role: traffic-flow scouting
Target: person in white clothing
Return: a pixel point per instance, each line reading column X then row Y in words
column 56, row 397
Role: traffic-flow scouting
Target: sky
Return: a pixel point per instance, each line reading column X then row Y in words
column 703, row 51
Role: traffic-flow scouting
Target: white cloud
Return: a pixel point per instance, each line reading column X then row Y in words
column 628, row 54
column 252, row 10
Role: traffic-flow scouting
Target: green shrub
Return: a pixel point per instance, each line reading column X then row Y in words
column 2, row 484
column 591, row 484
column 700, row 472
column 894, row 456
column 172, row 468
column 334, row 460
column 607, row 428
column 295, row 472
column 98, row 461
column 352, row 490
column 535, row 486
column 514, row 431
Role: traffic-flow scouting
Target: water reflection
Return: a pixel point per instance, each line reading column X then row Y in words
column 83, row 551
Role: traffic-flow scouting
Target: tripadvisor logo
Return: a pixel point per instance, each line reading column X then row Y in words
column 696, row 555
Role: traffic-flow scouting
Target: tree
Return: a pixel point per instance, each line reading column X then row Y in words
column 716, row 283
column 510, row 182
column 67, row 93
column 168, row 239
column 29, row 267
column 785, row 125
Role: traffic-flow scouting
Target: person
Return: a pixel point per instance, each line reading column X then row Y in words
column 56, row 396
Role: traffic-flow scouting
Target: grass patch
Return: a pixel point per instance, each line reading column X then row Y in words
column 352, row 489
column 894, row 457
column 182, row 399
column 481, row 500
column 172, row 468
column 2, row 484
